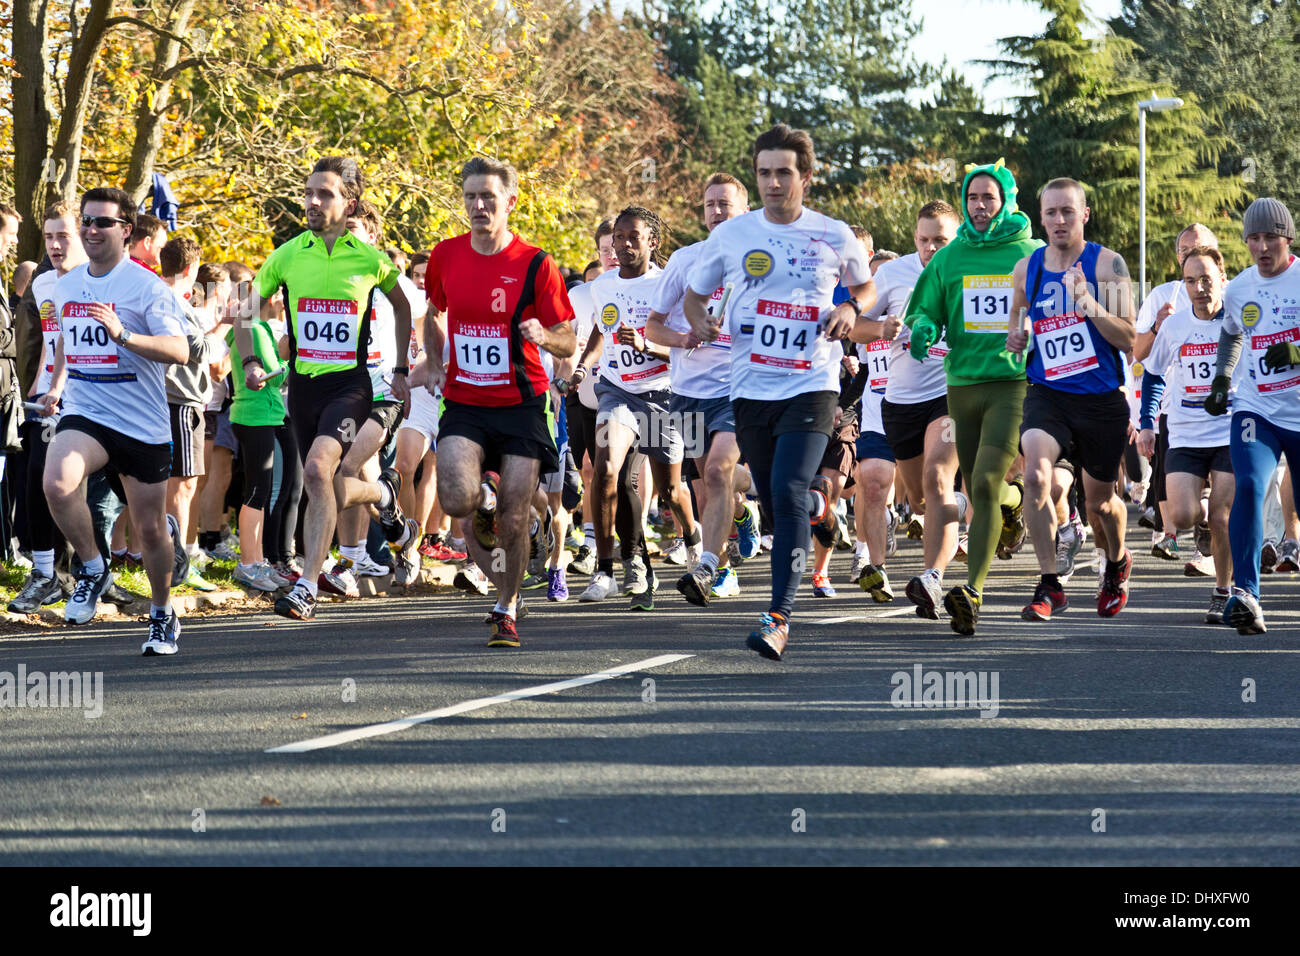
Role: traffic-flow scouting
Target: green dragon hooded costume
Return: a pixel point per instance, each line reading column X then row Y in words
column 966, row 289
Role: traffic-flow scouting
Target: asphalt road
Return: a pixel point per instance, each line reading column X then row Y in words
column 1136, row 723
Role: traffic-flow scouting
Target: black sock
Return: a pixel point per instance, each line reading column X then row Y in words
column 1052, row 581
column 209, row 539
column 693, row 538
column 605, row 566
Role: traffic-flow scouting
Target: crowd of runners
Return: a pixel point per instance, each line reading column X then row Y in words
column 476, row 406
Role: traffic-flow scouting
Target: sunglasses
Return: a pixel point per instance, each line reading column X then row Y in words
column 102, row 222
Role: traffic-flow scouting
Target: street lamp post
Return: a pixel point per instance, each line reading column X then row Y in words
column 1152, row 105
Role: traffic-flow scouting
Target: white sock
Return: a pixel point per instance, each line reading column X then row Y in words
column 589, row 534
column 43, row 561
column 405, row 539
column 458, row 544
column 385, row 495
column 95, row 565
column 353, row 553
column 310, row 586
column 509, row 611
column 860, row 549
column 934, row 573
column 135, row 555
column 156, row 611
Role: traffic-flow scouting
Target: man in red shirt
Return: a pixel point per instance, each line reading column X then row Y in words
column 501, row 301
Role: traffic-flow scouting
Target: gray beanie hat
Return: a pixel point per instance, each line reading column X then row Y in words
column 1268, row 215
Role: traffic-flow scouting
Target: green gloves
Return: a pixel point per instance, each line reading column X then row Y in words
column 924, row 334
column 1216, row 403
column 1282, row 354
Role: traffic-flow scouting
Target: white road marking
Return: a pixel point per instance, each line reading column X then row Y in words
column 393, row 726
column 834, row 620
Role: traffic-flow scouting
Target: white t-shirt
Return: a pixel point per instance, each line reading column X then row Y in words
column 782, row 279
column 381, row 352
column 910, row 381
column 1268, row 311
column 1184, row 355
column 703, row 372
column 1157, row 298
column 43, row 293
column 622, row 302
column 109, row 385
column 584, row 317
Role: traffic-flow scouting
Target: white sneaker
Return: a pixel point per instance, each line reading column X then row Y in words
column 693, row 554
column 163, row 635
column 676, row 554
column 82, row 605
column 274, row 576
column 765, row 543
column 601, row 587
column 726, row 584
column 254, row 576
column 370, row 568
column 635, row 576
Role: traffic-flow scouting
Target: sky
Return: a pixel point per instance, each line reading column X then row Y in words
column 965, row 30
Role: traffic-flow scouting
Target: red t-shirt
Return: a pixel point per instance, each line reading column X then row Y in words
column 480, row 295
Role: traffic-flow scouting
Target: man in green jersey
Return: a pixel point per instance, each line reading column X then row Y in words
column 966, row 291
column 327, row 276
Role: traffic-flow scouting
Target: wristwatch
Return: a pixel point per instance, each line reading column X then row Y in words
column 403, row 369
column 125, row 337
column 857, row 309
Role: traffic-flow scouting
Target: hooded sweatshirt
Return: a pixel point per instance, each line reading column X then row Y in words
column 966, row 289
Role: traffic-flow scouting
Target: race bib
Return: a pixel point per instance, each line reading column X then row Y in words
column 1267, row 380
column 939, row 349
column 1064, row 346
column 327, row 331
column 723, row 341
column 482, row 355
column 986, row 304
column 784, row 335
column 50, row 332
column 1197, row 361
column 877, row 361
column 86, row 345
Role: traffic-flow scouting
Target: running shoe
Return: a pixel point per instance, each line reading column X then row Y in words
column 469, row 577
column 1199, row 565
column 1137, row 491
column 126, row 561
column 697, row 585
column 1166, row 547
column 503, row 631
column 115, row 594
column 926, row 592
column 765, row 543
column 557, row 589
column 1113, row 595
column 601, row 586
column 634, row 575
column 287, row 572
column 860, row 562
column 38, row 591
column 960, row 553
column 821, row 585
column 485, row 518
column 84, row 602
column 181, row 556
column 1204, row 539
column 222, row 552
column 195, row 580
column 368, row 567
column 823, row 522
column 443, row 552
column 916, row 527
column 771, row 637
column 1268, row 556
column 339, row 581
column 521, row 611
column 252, row 575
column 532, row 582
column 298, row 604
column 747, row 536
column 1047, row 601
column 275, row 577
column 407, row 560
column 1013, row 524
column 875, row 582
column 891, row 534
column 1218, row 602
column 676, row 554
column 963, row 606
column 1244, row 613
column 1288, row 560
column 1068, row 544
column 726, row 584
column 427, row 544
column 164, row 632
column 645, row 600
column 541, row 538
column 843, row 537
column 584, row 560
column 391, row 519
column 1147, row 519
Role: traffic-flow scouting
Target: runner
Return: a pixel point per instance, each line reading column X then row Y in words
column 913, row 414
column 327, row 276
column 1261, row 314
column 779, row 267
column 501, row 300
column 964, row 295
column 699, row 377
column 63, row 246
column 1184, row 356
column 1080, row 307
column 633, row 418
column 121, row 326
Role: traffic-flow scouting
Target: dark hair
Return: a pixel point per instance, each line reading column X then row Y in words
column 862, row 235
column 797, row 141
column 210, row 276
column 938, row 209
column 9, row 212
column 59, row 209
column 125, row 208
column 368, row 214
column 1209, row 252
column 177, row 255
column 482, row 166
column 884, row 255
column 593, row 264
column 416, row 259
column 605, row 228
column 346, row 169
column 146, row 227
column 655, row 224
column 238, row 271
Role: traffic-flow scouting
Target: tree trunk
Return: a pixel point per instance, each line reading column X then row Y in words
column 151, row 109
column 66, row 152
column 31, row 118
